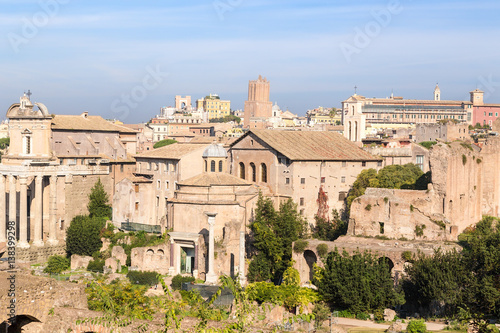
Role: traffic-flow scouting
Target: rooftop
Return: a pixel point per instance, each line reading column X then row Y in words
column 174, row 151
column 311, row 145
column 214, row 179
column 84, row 122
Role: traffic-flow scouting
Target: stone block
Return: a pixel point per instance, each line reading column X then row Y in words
column 389, row 315
column 119, row 253
column 78, row 261
column 113, row 264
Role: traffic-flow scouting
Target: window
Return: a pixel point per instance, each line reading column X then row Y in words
column 149, row 165
column 420, row 162
column 363, row 164
column 342, row 196
column 302, row 212
column 136, row 205
column 287, row 181
column 212, row 166
column 301, row 201
column 302, row 180
column 254, row 172
column 379, row 163
column 121, row 167
column 167, row 185
column 263, row 171
column 342, row 179
column 220, row 166
column 242, row 170
column 158, row 184
column 344, row 164
column 206, row 166
column 323, row 179
column 167, row 167
column 157, row 201
column 136, row 188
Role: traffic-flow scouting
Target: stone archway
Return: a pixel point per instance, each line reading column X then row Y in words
column 16, row 324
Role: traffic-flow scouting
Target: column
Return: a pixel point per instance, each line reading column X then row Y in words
column 195, row 268
column 171, row 269
column 3, row 228
column 53, row 212
column 12, row 199
column 211, row 277
column 38, row 232
column 241, row 270
column 23, row 213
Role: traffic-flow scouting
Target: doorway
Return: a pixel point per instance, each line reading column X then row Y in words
column 187, row 260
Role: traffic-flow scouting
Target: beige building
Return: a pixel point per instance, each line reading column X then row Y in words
column 49, row 169
column 296, row 164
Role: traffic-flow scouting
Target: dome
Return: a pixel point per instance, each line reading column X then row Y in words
column 215, row 150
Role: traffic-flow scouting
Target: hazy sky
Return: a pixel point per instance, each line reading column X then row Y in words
column 126, row 59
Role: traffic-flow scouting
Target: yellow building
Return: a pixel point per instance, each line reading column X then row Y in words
column 215, row 107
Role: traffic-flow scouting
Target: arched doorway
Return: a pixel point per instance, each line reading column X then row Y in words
column 310, row 258
column 16, row 324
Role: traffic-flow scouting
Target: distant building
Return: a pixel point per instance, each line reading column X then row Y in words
column 258, row 108
column 484, row 114
column 214, row 106
column 447, row 132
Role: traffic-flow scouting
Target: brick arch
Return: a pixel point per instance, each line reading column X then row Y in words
column 17, row 323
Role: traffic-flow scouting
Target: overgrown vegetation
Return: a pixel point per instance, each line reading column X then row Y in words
column 143, row 278
column 163, row 143
column 408, row 176
column 83, row 235
column 427, row 144
column 226, row 119
column 178, row 280
column 329, row 230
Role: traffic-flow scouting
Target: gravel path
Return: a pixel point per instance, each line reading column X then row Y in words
column 370, row 324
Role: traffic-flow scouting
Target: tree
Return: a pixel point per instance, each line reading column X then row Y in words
column 83, row 235
column 98, row 202
column 358, row 283
column 57, row 264
column 273, row 235
column 163, row 143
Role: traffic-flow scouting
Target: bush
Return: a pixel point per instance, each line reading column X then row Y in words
column 163, row 143
column 178, row 280
column 322, row 249
column 427, row 144
column 143, row 278
column 96, row 265
column 57, row 264
column 291, row 277
column 300, row 246
column 416, row 326
column 363, row 316
column 321, row 313
column 83, row 235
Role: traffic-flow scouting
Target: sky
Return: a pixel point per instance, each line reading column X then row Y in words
column 127, row 59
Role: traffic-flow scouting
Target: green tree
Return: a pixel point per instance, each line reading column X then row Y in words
column 273, row 235
column 98, row 202
column 57, row 264
column 358, row 283
column 163, row 143
column 83, row 235
column 4, row 143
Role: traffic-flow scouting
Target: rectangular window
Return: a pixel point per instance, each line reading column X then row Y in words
column 301, row 201
column 302, row 212
column 121, row 167
column 420, row 162
column 344, row 164
column 379, row 163
column 287, row 181
column 342, row 179
column 136, row 188
column 157, row 201
column 490, row 114
column 363, row 164
column 158, row 185
column 136, row 205
column 302, row 180
column 342, row 196
column 323, row 179
column 167, row 185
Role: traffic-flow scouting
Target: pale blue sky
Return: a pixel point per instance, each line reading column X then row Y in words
column 86, row 55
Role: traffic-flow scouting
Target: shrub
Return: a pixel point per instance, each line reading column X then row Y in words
column 363, row 316
column 419, row 230
column 322, row 249
column 300, row 246
column 178, row 280
column 416, row 326
column 407, row 256
column 57, row 264
column 464, row 159
column 163, row 143
column 368, row 207
column 291, row 277
column 427, row 144
column 96, row 265
column 143, row 278
column 83, row 235
column 321, row 313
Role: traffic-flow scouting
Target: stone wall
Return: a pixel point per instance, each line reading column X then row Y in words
column 152, row 258
column 37, row 255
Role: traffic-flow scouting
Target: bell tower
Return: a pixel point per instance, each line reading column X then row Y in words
column 437, row 93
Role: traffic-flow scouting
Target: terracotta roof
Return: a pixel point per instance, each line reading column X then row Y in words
column 174, row 151
column 226, row 141
column 312, row 145
column 88, row 123
column 214, row 179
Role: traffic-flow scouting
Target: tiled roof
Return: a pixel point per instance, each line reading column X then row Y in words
column 214, row 179
column 89, row 123
column 174, row 151
column 312, row 145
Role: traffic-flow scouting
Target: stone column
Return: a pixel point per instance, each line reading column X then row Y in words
column 211, row 277
column 12, row 200
column 3, row 227
column 23, row 213
column 38, row 232
column 171, row 269
column 241, row 270
column 195, row 268
column 53, row 212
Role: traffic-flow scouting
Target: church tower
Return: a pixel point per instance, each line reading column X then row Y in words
column 437, row 93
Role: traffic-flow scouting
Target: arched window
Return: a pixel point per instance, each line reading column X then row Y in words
column 220, row 166
column 263, row 170
column 242, row 170
column 206, row 166
column 212, row 166
column 254, row 172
